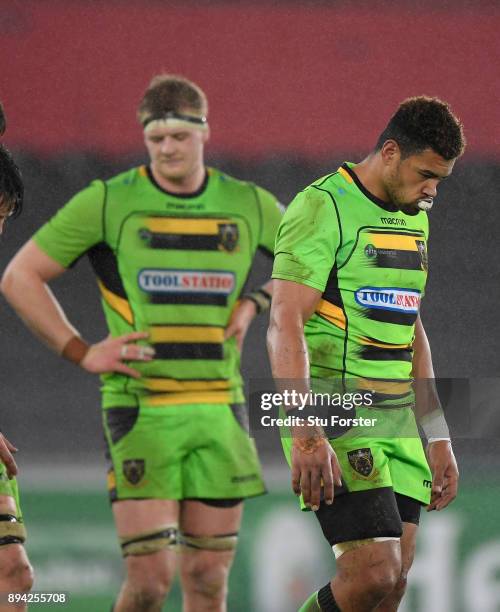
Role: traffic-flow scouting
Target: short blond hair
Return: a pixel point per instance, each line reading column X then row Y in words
column 171, row 93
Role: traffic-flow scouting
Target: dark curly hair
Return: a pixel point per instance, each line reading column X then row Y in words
column 425, row 123
column 11, row 182
column 3, row 122
column 171, row 93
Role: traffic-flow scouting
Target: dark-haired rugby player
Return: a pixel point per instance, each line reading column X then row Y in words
column 350, row 271
column 15, row 570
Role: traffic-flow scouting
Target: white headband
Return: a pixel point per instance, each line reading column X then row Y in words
column 176, row 120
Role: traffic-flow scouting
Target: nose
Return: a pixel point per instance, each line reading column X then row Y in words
column 167, row 145
column 430, row 188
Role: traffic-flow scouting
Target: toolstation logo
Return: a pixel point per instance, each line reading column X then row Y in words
column 389, row 298
column 186, row 281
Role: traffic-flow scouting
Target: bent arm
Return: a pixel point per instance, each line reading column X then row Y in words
column 25, row 286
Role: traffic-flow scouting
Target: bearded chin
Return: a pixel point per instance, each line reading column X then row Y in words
column 395, row 198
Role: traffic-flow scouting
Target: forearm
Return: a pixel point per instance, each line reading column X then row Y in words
column 36, row 305
column 429, row 412
column 288, row 350
column 290, row 367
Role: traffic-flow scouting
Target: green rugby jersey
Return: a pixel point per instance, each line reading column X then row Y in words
column 173, row 265
column 369, row 260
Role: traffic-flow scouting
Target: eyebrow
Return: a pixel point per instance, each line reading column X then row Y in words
column 430, row 174
column 154, row 135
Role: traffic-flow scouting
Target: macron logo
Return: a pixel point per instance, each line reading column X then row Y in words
column 392, row 221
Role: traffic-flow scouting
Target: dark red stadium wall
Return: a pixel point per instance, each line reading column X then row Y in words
column 289, row 78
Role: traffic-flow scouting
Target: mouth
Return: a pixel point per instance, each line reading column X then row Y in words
column 425, row 204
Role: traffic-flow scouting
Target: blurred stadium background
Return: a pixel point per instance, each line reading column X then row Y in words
column 294, row 89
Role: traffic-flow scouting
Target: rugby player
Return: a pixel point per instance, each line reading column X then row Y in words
column 16, row 574
column 171, row 244
column 350, row 270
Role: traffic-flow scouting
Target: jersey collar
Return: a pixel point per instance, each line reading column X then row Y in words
column 193, row 194
column 385, row 205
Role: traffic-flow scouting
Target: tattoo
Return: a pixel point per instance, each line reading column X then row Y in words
column 311, row 444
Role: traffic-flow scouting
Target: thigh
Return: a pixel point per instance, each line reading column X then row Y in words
column 8, row 504
column 201, row 519
column 360, row 515
column 142, row 515
column 9, row 494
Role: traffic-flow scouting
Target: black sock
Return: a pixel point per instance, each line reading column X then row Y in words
column 326, row 600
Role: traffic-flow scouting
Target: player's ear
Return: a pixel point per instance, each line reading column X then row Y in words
column 390, row 152
column 206, row 135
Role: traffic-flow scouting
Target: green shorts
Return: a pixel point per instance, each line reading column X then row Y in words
column 385, row 453
column 181, row 452
column 9, row 487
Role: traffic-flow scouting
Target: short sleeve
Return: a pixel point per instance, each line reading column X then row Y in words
column 307, row 240
column 272, row 213
column 74, row 228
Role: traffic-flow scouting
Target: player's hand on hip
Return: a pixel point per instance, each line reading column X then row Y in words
column 6, row 450
column 314, row 466
column 444, row 474
column 240, row 320
column 111, row 354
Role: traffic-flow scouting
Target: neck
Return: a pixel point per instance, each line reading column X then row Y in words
column 369, row 172
column 186, row 184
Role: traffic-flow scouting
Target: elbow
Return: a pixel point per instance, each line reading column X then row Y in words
column 282, row 326
column 6, row 282
column 10, row 281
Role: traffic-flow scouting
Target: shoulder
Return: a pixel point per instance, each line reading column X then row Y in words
column 252, row 197
column 316, row 196
column 231, row 182
column 328, row 181
column 127, row 178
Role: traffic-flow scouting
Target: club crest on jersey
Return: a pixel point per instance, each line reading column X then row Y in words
column 389, row 298
column 361, row 461
column 133, row 470
column 228, row 236
column 423, row 254
column 155, row 280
